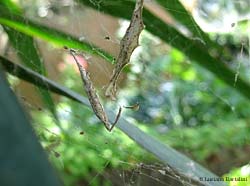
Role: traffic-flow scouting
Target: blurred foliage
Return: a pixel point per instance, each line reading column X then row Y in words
column 181, row 103
column 240, row 176
column 87, row 148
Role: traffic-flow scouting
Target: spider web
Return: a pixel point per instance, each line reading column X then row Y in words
column 84, row 153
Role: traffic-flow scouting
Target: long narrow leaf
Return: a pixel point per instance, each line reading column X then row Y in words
column 23, row 161
column 50, row 35
column 164, row 153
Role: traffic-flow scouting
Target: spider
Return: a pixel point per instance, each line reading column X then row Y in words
column 128, row 44
column 93, row 97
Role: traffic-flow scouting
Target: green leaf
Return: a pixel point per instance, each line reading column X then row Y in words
column 27, row 51
column 23, row 161
column 11, row 6
column 50, row 35
column 37, row 79
column 178, row 11
column 164, row 153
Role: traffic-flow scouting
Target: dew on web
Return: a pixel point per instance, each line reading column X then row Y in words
column 82, row 38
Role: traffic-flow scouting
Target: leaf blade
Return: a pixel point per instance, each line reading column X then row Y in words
column 52, row 36
column 21, row 154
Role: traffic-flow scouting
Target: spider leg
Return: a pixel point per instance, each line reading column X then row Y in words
column 116, row 119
